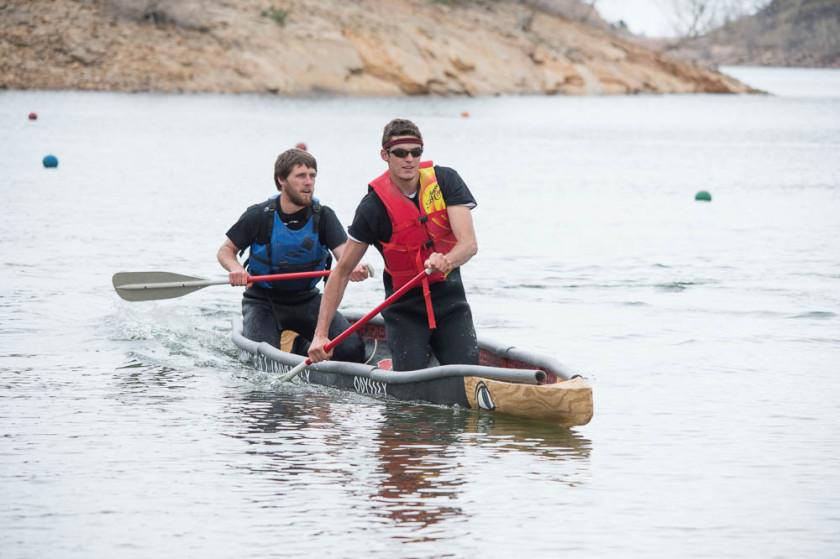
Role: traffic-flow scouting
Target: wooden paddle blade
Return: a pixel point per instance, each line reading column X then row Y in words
column 150, row 286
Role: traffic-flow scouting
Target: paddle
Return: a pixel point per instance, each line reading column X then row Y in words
column 150, row 286
column 296, row 370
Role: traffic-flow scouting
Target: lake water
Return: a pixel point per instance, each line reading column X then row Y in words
column 709, row 331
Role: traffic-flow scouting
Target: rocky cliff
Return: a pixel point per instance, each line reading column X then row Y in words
column 312, row 47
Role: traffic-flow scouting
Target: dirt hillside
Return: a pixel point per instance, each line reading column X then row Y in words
column 330, row 47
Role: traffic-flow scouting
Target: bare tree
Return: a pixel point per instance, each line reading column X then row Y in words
column 693, row 18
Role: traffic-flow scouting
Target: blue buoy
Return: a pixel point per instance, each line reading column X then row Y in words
column 703, row 196
column 50, row 161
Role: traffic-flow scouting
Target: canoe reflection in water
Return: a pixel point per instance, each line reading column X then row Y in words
column 412, row 464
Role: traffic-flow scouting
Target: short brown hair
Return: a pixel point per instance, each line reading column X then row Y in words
column 400, row 127
column 288, row 160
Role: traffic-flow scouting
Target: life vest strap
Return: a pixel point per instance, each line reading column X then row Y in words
column 399, row 248
column 402, row 226
column 430, row 311
column 403, row 274
column 427, row 293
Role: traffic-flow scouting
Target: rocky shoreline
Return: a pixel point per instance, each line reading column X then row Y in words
column 327, row 47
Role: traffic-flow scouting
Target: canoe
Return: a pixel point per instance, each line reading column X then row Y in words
column 508, row 380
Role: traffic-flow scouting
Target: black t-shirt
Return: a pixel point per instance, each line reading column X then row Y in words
column 372, row 225
column 252, row 228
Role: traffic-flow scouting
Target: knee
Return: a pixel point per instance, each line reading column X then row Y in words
column 352, row 349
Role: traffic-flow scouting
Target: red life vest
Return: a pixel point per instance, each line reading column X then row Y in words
column 417, row 233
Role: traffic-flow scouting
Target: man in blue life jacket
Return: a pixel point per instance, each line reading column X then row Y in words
column 289, row 232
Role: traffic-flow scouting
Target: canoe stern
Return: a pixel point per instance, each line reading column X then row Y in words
column 566, row 402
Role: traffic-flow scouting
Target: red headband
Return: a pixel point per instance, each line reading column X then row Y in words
column 406, row 140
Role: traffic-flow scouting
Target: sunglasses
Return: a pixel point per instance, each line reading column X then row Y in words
column 403, row 153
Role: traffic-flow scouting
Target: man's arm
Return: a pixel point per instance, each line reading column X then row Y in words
column 350, row 257
column 360, row 272
column 461, row 222
column 227, row 258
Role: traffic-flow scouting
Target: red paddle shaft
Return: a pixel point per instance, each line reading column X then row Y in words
column 291, row 276
column 359, row 323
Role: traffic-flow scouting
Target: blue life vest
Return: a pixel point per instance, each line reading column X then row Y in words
column 281, row 250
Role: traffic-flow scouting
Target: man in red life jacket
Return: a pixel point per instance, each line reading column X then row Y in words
column 418, row 216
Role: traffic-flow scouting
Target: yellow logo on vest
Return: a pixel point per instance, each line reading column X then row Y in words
column 431, row 197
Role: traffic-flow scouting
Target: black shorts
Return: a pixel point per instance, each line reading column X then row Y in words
column 264, row 320
column 411, row 340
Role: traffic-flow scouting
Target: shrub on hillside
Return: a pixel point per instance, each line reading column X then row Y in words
column 179, row 13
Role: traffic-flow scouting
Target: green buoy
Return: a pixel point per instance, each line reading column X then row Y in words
column 703, row 196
